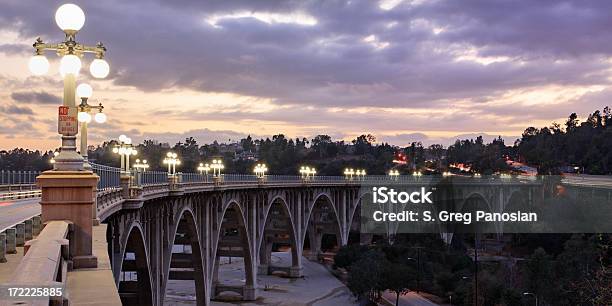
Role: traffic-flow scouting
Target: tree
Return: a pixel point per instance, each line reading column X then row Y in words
column 397, row 279
column 366, row 275
column 538, row 273
column 349, row 254
column 572, row 122
column 247, row 144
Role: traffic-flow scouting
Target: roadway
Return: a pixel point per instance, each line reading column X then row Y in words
column 15, row 211
column 588, row 180
column 409, row 299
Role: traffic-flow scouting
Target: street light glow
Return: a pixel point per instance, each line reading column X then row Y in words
column 84, row 117
column 70, row 17
column 260, row 170
column 125, row 150
column 99, row 68
column 70, row 64
column 39, row 65
column 84, row 90
column 100, row 117
column 172, row 161
column 307, row 172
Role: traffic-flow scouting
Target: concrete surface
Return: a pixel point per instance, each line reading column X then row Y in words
column 318, row 287
column 7, row 268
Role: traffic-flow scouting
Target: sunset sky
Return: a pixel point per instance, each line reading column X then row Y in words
column 404, row 71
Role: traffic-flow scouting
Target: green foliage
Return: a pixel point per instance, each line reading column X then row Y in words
column 485, row 159
column 538, row 273
column 347, row 255
column 586, row 145
column 397, row 278
column 25, row 160
column 365, row 278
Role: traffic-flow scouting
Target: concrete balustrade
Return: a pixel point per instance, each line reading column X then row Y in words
column 20, row 234
column 28, row 235
column 2, row 247
column 11, row 240
column 45, row 262
column 36, row 225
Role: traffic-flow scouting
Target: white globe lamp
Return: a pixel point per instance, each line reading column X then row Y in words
column 70, row 18
column 70, row 64
column 99, row 68
column 84, row 90
column 100, row 117
column 39, row 65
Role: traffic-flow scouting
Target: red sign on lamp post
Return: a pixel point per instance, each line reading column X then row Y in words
column 67, row 123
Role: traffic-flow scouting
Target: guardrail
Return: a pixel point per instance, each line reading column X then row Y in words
column 19, row 195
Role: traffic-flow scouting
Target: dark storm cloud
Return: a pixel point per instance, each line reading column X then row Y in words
column 157, row 45
column 33, row 97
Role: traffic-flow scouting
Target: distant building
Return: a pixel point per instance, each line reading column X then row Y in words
column 246, row 155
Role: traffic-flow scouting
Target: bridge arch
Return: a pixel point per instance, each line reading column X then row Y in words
column 278, row 205
column 188, row 264
column 357, row 205
column 472, row 202
column 518, row 199
column 321, row 203
column 475, row 195
column 232, row 214
column 133, row 274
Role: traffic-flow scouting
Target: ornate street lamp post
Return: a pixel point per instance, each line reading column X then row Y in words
column 70, row 19
column 141, row 167
column 260, row 172
column 307, row 172
column 217, row 166
column 171, row 160
column 125, row 149
column 204, row 168
column 394, row 174
column 360, row 174
column 84, row 91
column 348, row 173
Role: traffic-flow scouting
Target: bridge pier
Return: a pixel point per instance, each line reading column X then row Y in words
column 69, row 196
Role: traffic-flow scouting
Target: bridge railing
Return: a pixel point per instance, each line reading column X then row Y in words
column 109, row 176
column 8, row 177
column 153, row 177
